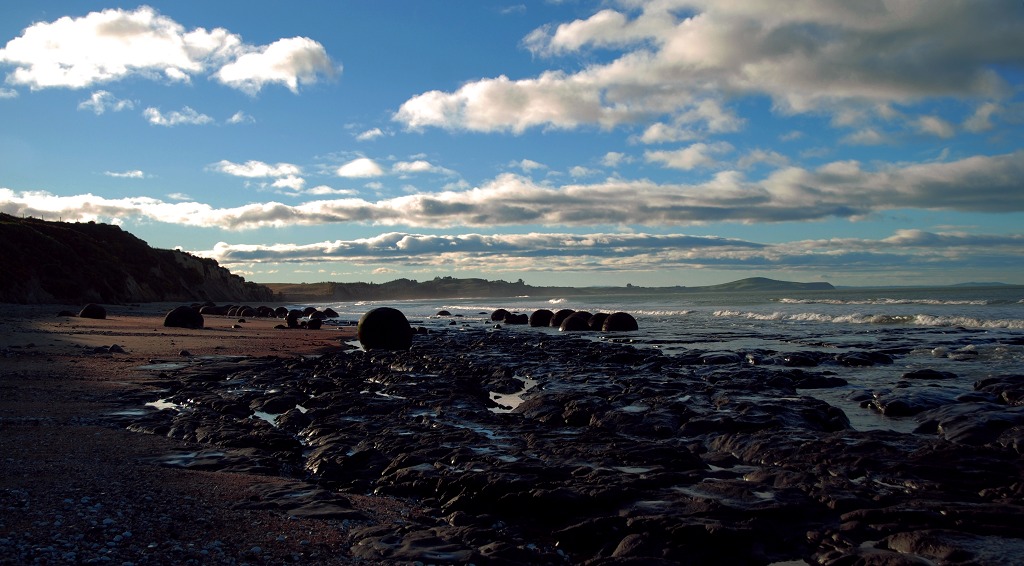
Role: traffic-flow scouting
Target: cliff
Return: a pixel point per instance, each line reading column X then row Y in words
column 75, row 263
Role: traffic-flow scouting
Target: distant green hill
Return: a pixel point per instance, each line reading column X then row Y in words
column 450, row 287
column 76, row 263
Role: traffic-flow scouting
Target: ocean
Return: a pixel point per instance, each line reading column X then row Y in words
column 972, row 332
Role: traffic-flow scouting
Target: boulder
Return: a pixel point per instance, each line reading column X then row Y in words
column 575, row 322
column 499, row 315
column 620, row 322
column 384, row 328
column 330, row 313
column 516, row 318
column 92, row 310
column 184, row 317
column 558, row 317
column 596, row 322
column 314, row 323
column 541, row 317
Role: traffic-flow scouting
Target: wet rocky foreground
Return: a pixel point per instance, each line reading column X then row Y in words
column 540, row 448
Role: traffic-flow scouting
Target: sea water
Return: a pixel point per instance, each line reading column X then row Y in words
column 973, row 332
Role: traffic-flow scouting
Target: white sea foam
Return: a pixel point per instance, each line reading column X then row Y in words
column 892, row 319
column 881, row 301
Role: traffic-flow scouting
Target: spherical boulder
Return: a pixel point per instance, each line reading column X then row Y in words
column 499, row 315
column 559, row 316
column 281, row 312
column 596, row 322
column 577, row 321
column 516, row 318
column 314, row 324
column 92, row 310
column 541, row 317
column 184, row 317
column 330, row 313
column 384, row 328
column 620, row 322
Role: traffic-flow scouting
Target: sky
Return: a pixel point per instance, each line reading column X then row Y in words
column 609, row 142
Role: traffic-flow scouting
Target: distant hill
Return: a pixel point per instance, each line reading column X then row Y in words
column 450, row 288
column 77, row 263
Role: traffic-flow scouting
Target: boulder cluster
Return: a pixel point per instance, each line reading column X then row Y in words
column 569, row 320
column 191, row 316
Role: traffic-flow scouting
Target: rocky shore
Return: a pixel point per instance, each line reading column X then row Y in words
column 492, row 445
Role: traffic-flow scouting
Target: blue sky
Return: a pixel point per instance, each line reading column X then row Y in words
column 672, row 142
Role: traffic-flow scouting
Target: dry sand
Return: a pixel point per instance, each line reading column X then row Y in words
column 74, row 489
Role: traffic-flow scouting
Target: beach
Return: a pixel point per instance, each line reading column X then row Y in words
column 74, row 489
column 495, row 443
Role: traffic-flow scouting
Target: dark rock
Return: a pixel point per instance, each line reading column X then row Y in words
column 499, row 315
column 183, row 317
column 559, row 316
column 1009, row 389
column 385, row 328
column 541, row 317
column 577, row 321
column 620, row 322
column 863, row 359
column 330, row 313
column 596, row 322
column 314, row 324
column 930, row 374
column 516, row 318
column 443, row 313
column 92, row 310
column 281, row 312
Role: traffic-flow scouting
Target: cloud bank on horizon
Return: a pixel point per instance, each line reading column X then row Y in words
column 655, row 142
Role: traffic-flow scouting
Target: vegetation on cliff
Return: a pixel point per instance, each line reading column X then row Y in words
column 73, row 263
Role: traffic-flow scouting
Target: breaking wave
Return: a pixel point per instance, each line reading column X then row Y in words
column 860, row 318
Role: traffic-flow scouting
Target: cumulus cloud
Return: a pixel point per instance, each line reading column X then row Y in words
column 981, row 120
column 101, row 101
column 362, row 167
column 186, row 115
column 692, row 157
column 419, row 166
column 671, row 57
column 8, row 93
column 115, row 44
column 843, row 189
column 289, row 62
column 256, row 169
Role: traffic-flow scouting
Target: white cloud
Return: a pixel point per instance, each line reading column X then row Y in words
column 935, row 126
column 845, row 190
column 866, row 136
column 981, row 120
column 101, row 101
column 527, row 165
column 370, row 134
column 615, row 158
column 8, row 93
column 241, row 118
column 580, row 171
column 756, row 156
column 176, row 118
column 135, row 174
column 114, row 44
column 362, row 167
column 289, row 182
column 179, row 196
column 256, row 169
column 419, row 166
column 290, row 62
column 324, row 190
column 692, row 157
column 916, row 251
column 676, row 55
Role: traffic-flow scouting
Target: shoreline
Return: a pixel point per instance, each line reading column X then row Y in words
column 484, row 445
column 74, row 489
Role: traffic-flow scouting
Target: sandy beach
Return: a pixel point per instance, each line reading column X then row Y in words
column 73, row 489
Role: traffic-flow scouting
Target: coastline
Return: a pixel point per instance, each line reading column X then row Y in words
column 484, row 444
column 73, row 489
